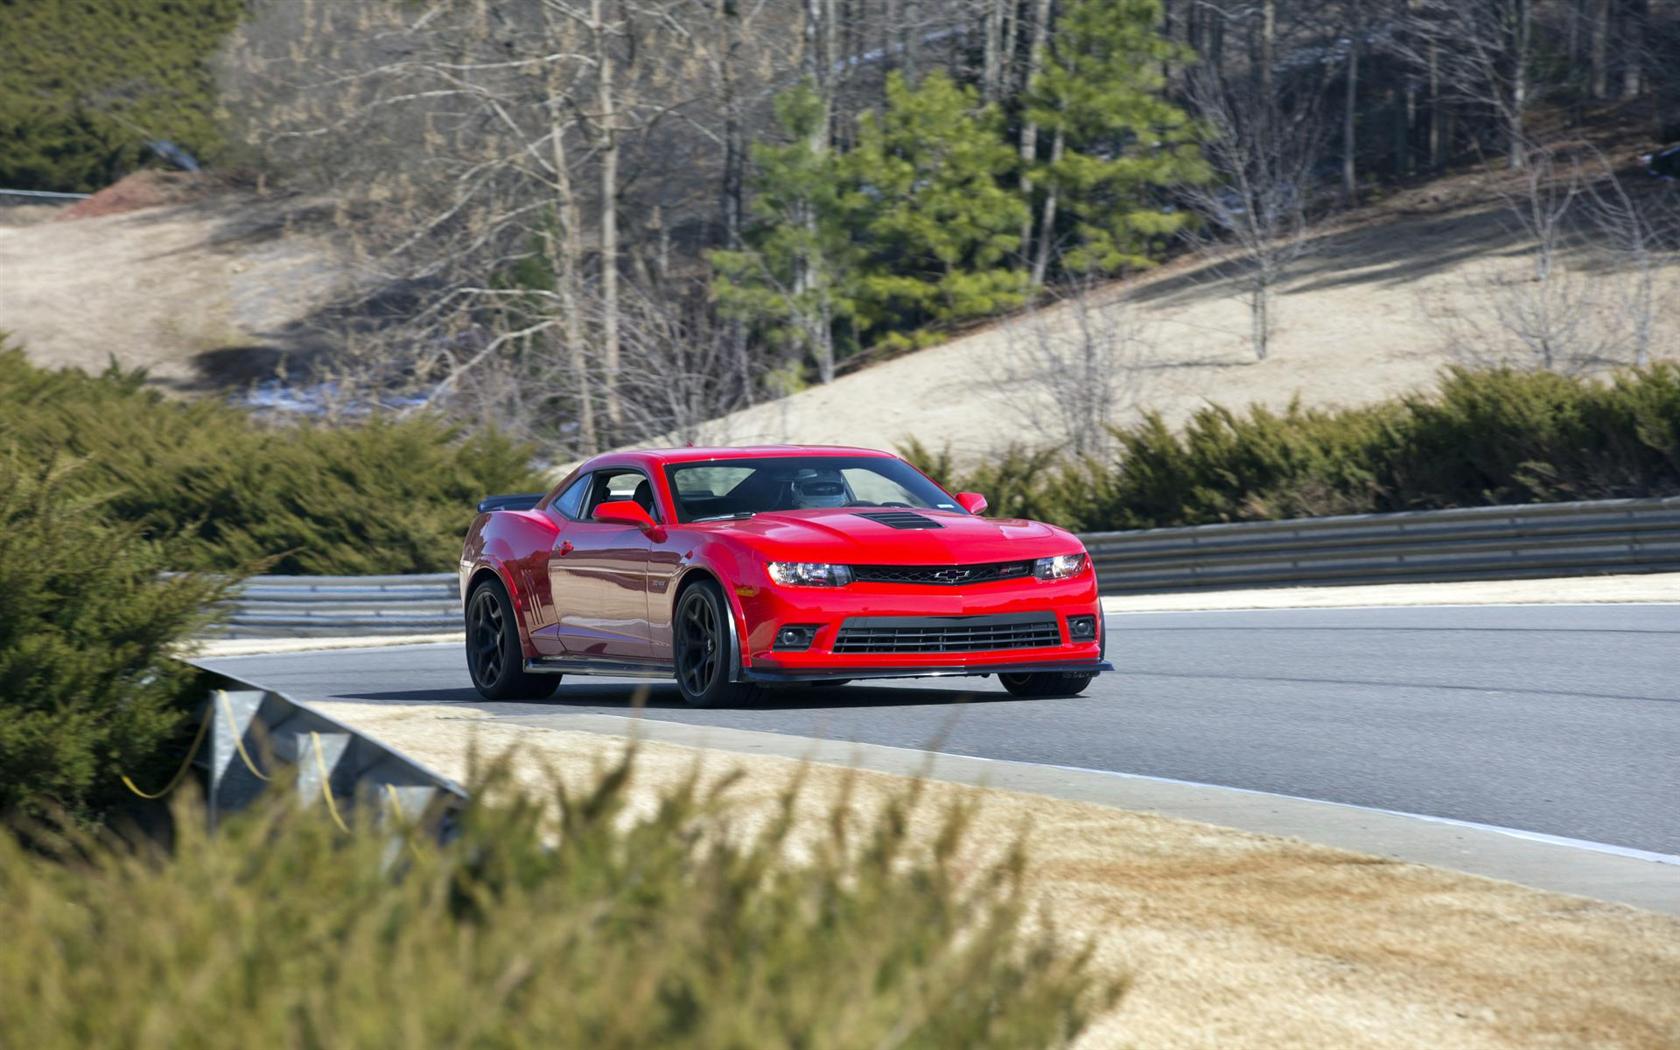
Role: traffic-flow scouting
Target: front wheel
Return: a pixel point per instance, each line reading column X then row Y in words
column 1045, row 684
column 701, row 639
column 494, row 657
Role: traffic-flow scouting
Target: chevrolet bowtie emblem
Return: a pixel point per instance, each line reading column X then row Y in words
column 951, row 575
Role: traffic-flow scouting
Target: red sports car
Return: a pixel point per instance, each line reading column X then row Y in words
column 736, row 569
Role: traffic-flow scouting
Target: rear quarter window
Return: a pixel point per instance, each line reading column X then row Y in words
column 570, row 502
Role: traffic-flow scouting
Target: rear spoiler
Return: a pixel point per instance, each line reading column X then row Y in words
column 521, row 501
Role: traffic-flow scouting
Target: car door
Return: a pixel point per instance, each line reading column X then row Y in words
column 598, row 573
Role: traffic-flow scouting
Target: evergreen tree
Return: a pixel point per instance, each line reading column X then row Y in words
column 1116, row 142
column 942, row 231
column 795, row 277
column 83, row 85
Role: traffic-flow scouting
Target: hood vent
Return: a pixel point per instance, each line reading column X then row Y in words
column 900, row 519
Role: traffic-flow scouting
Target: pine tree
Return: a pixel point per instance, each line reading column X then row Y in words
column 1116, row 142
column 926, row 181
column 795, row 276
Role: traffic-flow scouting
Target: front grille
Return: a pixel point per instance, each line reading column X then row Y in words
column 947, row 634
column 900, row 519
column 942, row 575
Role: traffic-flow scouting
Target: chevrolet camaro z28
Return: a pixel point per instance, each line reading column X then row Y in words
column 737, row 569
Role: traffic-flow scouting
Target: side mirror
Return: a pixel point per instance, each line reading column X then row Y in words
column 626, row 512
column 972, row 502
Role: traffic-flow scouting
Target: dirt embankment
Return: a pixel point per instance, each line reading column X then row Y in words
column 205, row 286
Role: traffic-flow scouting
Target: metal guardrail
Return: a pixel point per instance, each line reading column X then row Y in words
column 313, row 606
column 1472, row 543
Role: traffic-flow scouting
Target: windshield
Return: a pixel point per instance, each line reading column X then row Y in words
column 732, row 488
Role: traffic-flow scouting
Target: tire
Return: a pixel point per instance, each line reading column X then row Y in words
column 700, row 642
column 1045, row 684
column 494, row 658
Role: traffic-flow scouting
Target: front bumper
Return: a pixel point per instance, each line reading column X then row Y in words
column 766, row 610
column 812, row 674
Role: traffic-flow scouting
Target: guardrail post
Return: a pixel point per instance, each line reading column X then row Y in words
column 320, row 758
column 236, row 746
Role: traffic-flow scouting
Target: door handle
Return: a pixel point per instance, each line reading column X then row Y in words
column 565, row 547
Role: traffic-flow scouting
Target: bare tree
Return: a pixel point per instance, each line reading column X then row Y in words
column 485, row 160
column 1637, row 230
column 1261, row 150
column 1477, row 53
column 1587, row 292
column 1078, row 364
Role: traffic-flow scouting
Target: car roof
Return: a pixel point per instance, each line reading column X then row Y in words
column 693, row 454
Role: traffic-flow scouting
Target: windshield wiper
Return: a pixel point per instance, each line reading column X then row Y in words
column 737, row 516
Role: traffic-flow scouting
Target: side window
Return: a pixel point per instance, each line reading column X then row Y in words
column 570, row 502
column 611, row 485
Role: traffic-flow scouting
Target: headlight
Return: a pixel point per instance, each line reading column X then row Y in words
column 810, row 574
column 1060, row 567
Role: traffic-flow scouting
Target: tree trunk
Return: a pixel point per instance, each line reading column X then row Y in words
column 1350, row 102
column 1029, row 128
column 568, row 261
column 1047, row 228
column 732, row 203
column 1166, row 34
column 812, row 278
column 991, row 62
column 1400, row 129
column 1011, row 43
column 892, row 28
column 1600, row 48
column 608, row 118
column 1634, row 16
column 1521, row 31
column 1268, row 45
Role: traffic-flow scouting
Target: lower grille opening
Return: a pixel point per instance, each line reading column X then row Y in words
column 947, row 634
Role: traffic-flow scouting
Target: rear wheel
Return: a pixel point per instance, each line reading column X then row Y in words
column 1044, row 684
column 702, row 640
column 494, row 657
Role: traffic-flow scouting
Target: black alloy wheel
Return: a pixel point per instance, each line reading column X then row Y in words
column 494, row 657
column 702, row 650
column 1045, row 684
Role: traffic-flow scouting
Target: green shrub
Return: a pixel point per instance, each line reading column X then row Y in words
column 225, row 492
column 1484, row 438
column 84, row 85
column 88, row 690
column 674, row 927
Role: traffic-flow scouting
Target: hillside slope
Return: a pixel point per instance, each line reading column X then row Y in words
column 203, row 293
column 216, row 292
column 1367, row 314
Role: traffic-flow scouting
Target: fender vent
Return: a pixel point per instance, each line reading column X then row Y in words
column 900, row 519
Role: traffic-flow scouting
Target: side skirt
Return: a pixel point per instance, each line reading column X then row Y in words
column 605, row 668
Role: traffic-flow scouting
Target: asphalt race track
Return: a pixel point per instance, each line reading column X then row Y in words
column 1563, row 720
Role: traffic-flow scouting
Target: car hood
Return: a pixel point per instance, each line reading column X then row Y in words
column 846, row 535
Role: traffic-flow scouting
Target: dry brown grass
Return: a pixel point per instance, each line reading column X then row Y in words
column 1232, row 939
